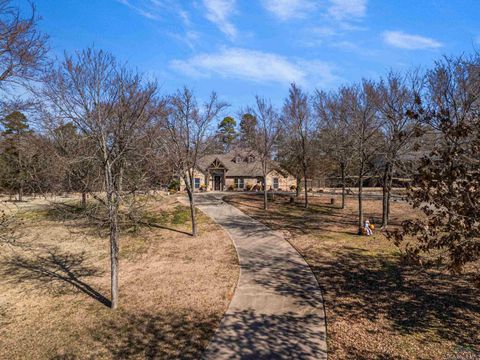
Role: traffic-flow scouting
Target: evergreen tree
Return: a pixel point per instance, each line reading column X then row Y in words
column 227, row 132
column 14, row 174
column 248, row 124
column 15, row 124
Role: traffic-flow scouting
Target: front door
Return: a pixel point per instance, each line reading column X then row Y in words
column 217, row 179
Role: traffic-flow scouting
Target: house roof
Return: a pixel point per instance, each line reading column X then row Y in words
column 243, row 167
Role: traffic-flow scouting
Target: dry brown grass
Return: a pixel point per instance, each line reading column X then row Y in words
column 174, row 289
column 378, row 306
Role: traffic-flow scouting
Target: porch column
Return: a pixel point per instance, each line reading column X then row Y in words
column 223, row 180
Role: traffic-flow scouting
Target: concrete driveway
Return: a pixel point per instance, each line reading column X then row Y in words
column 277, row 309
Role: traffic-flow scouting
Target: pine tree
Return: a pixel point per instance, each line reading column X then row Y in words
column 248, row 124
column 14, row 173
column 227, row 132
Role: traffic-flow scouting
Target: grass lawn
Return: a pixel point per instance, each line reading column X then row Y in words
column 378, row 306
column 54, row 285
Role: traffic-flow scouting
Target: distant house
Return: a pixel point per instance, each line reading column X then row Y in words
column 238, row 170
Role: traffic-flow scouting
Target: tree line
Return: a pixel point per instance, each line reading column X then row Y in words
column 103, row 130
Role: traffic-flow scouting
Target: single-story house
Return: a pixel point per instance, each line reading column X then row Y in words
column 238, row 170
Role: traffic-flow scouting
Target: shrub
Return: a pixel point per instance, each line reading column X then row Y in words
column 249, row 187
column 174, row 185
column 231, row 188
column 293, row 187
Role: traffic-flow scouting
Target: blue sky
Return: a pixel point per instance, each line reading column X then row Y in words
column 246, row 47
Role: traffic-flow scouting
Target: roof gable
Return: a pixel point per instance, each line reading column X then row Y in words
column 217, row 164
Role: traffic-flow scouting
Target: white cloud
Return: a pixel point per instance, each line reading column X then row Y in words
column 256, row 66
column 289, row 9
column 317, row 36
column 189, row 38
column 336, row 9
column 218, row 12
column 409, row 41
column 324, row 31
column 347, row 9
column 139, row 10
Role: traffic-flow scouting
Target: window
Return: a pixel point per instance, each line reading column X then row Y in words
column 250, row 158
column 238, row 159
column 275, row 183
column 239, row 183
column 197, row 183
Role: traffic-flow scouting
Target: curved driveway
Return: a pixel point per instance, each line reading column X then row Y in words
column 277, row 310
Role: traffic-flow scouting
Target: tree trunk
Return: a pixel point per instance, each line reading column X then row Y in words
column 306, row 188
column 385, row 197
column 84, row 199
column 191, row 197
column 114, row 248
column 299, row 187
column 112, row 204
column 342, row 169
column 360, row 199
column 389, row 201
column 20, row 193
column 265, row 195
column 192, row 211
column 390, row 184
column 120, row 179
column 387, row 189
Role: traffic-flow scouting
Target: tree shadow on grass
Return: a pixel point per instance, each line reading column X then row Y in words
column 160, row 226
column 369, row 286
column 157, row 335
column 304, row 223
column 245, row 334
column 54, row 272
column 234, row 200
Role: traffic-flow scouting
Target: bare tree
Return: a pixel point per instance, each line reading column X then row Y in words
column 23, row 47
column 301, row 126
column 267, row 133
column 363, row 122
column 334, row 137
column 289, row 158
column 109, row 105
column 397, row 96
column 186, row 132
column 80, row 169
